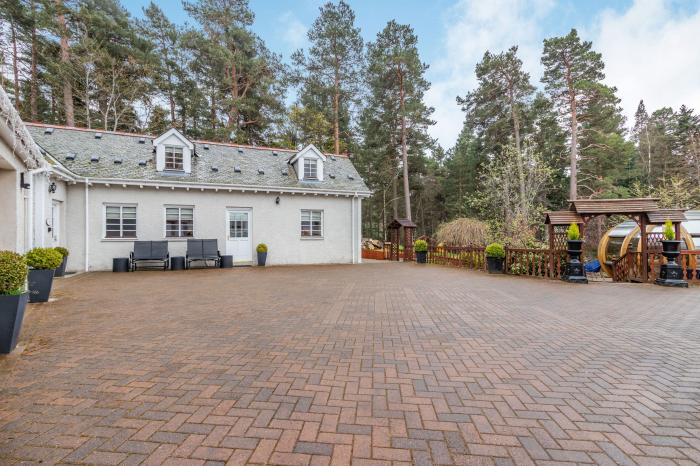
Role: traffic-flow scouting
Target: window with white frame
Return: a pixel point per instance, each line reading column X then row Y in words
column 173, row 158
column 120, row 221
column 310, row 169
column 179, row 222
column 312, row 223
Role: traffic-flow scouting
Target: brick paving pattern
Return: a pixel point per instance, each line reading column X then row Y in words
column 369, row 365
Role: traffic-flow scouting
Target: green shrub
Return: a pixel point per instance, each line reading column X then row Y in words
column 495, row 250
column 64, row 252
column 420, row 245
column 44, row 258
column 573, row 233
column 262, row 247
column 13, row 273
column 669, row 231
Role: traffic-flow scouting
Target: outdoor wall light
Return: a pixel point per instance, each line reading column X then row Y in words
column 52, row 187
column 277, row 200
column 22, row 184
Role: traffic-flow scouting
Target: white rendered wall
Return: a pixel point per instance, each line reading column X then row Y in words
column 278, row 226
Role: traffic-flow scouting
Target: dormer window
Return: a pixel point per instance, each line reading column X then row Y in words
column 308, row 163
column 174, row 159
column 174, row 153
column 310, row 169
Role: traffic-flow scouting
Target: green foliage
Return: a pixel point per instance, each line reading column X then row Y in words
column 669, row 231
column 573, row 233
column 262, row 247
column 44, row 258
column 420, row 245
column 13, row 273
column 495, row 250
column 64, row 252
column 330, row 71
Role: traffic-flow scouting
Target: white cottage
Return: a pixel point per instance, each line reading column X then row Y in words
column 105, row 190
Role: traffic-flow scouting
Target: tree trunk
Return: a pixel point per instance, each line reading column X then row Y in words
column 521, row 170
column 33, row 85
column 336, row 115
column 395, row 198
column 65, row 61
column 404, row 150
column 15, row 67
column 573, row 180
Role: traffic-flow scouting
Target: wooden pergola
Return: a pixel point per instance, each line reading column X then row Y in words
column 644, row 211
column 395, row 236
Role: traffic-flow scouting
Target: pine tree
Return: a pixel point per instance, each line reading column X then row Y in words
column 641, row 135
column 397, row 86
column 330, row 72
column 499, row 102
column 242, row 78
column 572, row 75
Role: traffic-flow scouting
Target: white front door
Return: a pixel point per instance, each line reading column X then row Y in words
column 239, row 243
column 55, row 223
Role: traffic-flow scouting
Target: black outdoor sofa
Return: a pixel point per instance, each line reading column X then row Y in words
column 203, row 250
column 153, row 252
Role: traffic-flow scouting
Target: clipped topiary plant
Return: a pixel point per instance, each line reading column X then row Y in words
column 495, row 250
column 64, row 252
column 44, row 258
column 420, row 245
column 573, row 233
column 262, row 247
column 13, row 273
column 669, row 231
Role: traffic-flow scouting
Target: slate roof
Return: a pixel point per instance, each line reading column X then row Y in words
column 215, row 163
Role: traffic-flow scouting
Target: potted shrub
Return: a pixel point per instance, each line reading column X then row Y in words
column 13, row 298
column 671, row 273
column 420, row 246
column 42, row 263
column 262, row 253
column 574, row 272
column 495, row 255
column 61, row 270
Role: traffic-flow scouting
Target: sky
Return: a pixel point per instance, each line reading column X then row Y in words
column 650, row 47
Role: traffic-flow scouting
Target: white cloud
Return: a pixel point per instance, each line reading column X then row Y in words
column 472, row 27
column 650, row 53
column 294, row 31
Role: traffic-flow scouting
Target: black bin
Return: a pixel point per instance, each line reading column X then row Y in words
column 226, row 262
column 177, row 263
column 120, row 264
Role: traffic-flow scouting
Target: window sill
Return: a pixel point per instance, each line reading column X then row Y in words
column 311, row 238
column 178, row 239
column 119, row 240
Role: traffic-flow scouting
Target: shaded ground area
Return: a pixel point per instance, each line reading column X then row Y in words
column 371, row 364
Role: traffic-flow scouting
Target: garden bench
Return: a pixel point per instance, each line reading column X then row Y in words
column 150, row 251
column 203, row 250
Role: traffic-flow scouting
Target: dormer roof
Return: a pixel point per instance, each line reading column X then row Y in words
column 310, row 149
column 173, row 132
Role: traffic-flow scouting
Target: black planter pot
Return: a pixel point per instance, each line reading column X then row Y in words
column 11, row 316
column 494, row 264
column 262, row 258
column 40, row 281
column 574, row 272
column 422, row 257
column 61, row 269
column 671, row 273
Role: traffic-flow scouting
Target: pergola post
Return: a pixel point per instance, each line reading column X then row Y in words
column 645, row 247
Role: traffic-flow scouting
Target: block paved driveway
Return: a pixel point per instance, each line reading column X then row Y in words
column 372, row 364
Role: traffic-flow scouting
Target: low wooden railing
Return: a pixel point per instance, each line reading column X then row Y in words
column 466, row 257
column 543, row 263
column 628, row 268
